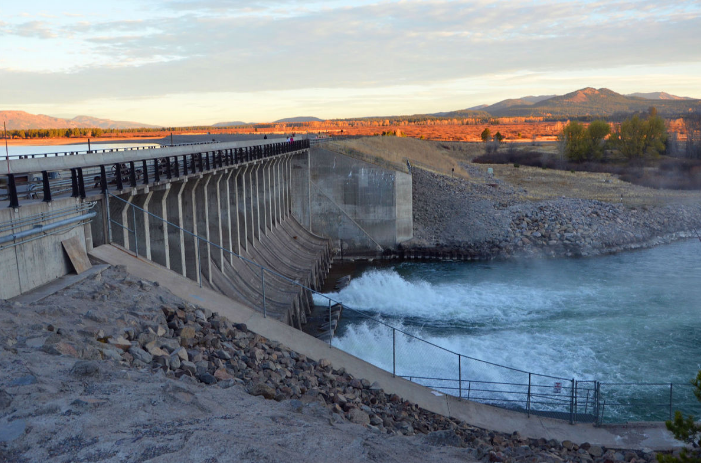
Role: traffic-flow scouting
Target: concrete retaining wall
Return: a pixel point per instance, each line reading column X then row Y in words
column 26, row 266
column 366, row 206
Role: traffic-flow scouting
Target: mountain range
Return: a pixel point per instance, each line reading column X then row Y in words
column 580, row 103
column 21, row 120
column 591, row 102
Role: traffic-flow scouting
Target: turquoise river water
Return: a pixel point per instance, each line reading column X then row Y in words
column 633, row 317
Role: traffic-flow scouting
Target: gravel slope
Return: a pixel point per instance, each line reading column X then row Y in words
column 491, row 219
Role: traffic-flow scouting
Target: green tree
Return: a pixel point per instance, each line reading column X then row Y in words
column 584, row 143
column 638, row 137
column 486, row 135
column 685, row 430
column 575, row 141
column 597, row 132
column 499, row 137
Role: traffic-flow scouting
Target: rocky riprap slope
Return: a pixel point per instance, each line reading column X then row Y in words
column 115, row 369
column 483, row 221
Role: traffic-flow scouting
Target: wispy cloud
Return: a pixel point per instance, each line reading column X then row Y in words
column 184, row 46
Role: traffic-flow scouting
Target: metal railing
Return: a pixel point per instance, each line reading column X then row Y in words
column 132, row 173
column 105, row 150
column 403, row 354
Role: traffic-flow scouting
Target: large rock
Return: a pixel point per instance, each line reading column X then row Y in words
column 120, row 343
column 140, row 354
column 359, row 417
column 188, row 332
column 262, row 389
column 85, row 369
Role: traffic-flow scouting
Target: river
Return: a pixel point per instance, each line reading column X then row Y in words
column 626, row 318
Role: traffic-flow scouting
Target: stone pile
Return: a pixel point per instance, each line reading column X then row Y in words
column 193, row 344
column 484, row 221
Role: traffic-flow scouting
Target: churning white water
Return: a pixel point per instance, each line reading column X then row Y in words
column 631, row 317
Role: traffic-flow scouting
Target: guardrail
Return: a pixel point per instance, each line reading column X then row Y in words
column 402, row 353
column 81, row 179
column 106, row 150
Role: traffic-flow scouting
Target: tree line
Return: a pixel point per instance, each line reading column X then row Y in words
column 56, row 133
column 636, row 138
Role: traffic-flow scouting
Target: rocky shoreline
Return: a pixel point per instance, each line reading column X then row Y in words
column 100, row 330
column 491, row 221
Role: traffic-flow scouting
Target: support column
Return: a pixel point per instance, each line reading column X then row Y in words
column 269, row 205
column 190, row 210
column 202, row 218
column 141, row 227
column 273, row 205
column 302, row 187
column 279, row 190
column 286, row 182
column 243, row 209
column 160, row 248
column 257, row 201
column 119, row 212
column 265, row 195
column 176, row 236
column 214, row 210
column 227, row 221
column 236, row 215
column 251, row 227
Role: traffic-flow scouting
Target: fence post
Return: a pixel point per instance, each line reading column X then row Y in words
column 136, row 238
column 598, row 402
column 528, row 397
column 460, row 376
column 394, row 354
column 469, row 388
column 262, row 283
column 572, row 402
column 671, row 387
column 330, row 332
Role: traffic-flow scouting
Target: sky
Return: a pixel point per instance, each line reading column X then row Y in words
column 188, row 62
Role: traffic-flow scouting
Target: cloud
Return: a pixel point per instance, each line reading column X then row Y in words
column 223, row 46
column 33, row 29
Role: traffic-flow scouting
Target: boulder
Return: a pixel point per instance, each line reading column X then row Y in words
column 359, row 417
column 86, row 369
column 262, row 389
column 140, row 355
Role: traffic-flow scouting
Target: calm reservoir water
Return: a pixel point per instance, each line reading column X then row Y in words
column 40, row 149
column 628, row 318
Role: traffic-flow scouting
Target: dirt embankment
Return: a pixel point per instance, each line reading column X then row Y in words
column 114, row 369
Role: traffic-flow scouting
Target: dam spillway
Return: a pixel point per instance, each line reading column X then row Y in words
column 213, row 212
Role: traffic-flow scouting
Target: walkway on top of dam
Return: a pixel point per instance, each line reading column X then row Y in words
column 27, row 178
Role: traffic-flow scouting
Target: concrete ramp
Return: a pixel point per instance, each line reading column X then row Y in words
column 631, row 436
column 296, row 259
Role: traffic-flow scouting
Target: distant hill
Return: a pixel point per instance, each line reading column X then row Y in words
column 461, row 113
column 478, row 107
column 300, row 119
column 592, row 102
column 659, row 96
column 21, row 120
column 230, row 124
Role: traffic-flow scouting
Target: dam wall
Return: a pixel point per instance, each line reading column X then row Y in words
column 363, row 205
column 214, row 213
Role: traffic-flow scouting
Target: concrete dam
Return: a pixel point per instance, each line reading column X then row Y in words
column 257, row 221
